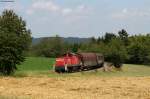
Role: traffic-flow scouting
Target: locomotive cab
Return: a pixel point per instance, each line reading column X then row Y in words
column 66, row 62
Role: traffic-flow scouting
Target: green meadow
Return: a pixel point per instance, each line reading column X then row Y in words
column 40, row 66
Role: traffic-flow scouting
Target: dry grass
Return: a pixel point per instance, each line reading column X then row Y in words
column 75, row 88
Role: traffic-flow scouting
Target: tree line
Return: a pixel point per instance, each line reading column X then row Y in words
column 118, row 47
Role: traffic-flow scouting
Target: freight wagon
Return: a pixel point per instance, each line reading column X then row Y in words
column 73, row 62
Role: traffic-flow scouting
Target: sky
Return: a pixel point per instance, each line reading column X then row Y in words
column 82, row 18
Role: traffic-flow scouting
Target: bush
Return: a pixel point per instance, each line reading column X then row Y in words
column 115, row 52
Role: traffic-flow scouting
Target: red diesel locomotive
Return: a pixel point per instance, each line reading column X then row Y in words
column 72, row 62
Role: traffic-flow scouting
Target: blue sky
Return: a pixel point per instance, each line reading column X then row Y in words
column 82, row 18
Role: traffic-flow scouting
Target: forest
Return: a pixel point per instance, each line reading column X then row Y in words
column 118, row 47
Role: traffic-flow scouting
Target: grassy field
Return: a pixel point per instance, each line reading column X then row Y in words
column 39, row 66
column 37, row 63
column 35, row 79
column 34, row 66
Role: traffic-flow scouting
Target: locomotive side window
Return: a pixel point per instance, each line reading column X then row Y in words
column 100, row 57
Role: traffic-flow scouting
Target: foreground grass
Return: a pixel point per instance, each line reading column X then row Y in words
column 38, row 66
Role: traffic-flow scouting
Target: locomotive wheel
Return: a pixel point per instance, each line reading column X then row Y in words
column 69, row 69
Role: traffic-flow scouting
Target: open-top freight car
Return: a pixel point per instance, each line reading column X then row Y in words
column 72, row 62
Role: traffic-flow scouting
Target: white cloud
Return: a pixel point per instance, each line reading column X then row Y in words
column 125, row 10
column 29, row 11
column 66, row 14
column 50, row 6
column 124, row 13
column 130, row 13
column 78, row 14
column 66, row 11
column 81, row 7
column 43, row 5
column 13, row 6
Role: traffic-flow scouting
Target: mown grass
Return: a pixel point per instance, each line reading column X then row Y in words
column 13, row 97
column 39, row 66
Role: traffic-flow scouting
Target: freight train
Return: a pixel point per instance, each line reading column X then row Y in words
column 73, row 62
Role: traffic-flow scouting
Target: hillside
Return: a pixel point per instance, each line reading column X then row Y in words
column 66, row 39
